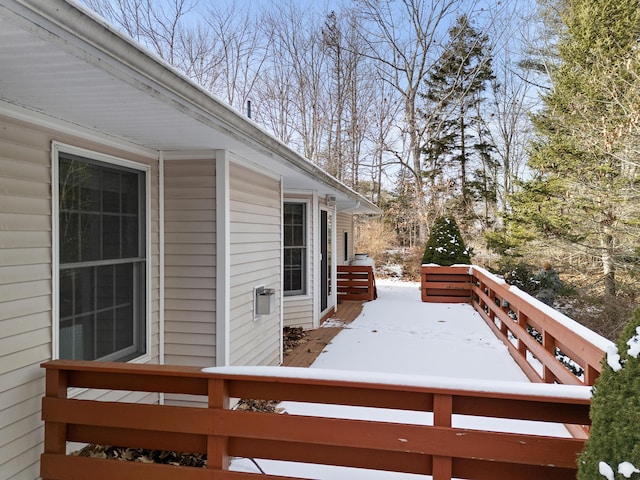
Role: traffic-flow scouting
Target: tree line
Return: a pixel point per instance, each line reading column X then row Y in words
column 519, row 120
column 390, row 97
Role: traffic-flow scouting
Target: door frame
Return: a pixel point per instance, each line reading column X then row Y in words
column 327, row 240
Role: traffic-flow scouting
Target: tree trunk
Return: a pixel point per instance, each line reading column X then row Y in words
column 608, row 265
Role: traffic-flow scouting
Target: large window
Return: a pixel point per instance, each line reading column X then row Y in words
column 101, row 260
column 295, row 248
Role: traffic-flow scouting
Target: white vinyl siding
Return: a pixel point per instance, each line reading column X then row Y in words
column 190, row 262
column 344, row 225
column 26, row 302
column 255, row 256
column 298, row 312
column 25, row 295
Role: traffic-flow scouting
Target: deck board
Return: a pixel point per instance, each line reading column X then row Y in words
column 304, row 355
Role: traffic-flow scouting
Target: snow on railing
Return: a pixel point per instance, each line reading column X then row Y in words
column 439, row 447
column 549, row 346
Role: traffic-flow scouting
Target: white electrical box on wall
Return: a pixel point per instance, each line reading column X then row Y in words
column 264, row 301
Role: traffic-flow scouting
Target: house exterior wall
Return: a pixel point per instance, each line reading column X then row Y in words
column 255, row 260
column 190, row 262
column 344, row 227
column 26, row 285
column 298, row 309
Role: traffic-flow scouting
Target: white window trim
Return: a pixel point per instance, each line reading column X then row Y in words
column 309, row 287
column 56, row 149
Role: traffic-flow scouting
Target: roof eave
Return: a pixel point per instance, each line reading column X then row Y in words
column 96, row 42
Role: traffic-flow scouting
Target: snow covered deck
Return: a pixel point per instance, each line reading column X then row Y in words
column 398, row 333
column 396, row 338
column 408, row 390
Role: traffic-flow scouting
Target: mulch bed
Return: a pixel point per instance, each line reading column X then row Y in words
column 292, row 338
column 144, row 455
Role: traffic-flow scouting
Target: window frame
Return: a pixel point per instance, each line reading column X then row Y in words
column 145, row 296
column 304, row 292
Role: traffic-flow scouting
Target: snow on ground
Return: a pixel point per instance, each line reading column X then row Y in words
column 399, row 334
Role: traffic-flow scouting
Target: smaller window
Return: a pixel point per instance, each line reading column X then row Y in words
column 295, row 248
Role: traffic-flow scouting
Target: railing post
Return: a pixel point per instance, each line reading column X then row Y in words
column 549, row 343
column 523, row 321
column 55, row 434
column 218, row 446
column 370, row 285
column 481, row 300
column 442, row 416
column 590, row 374
column 491, row 305
column 423, row 284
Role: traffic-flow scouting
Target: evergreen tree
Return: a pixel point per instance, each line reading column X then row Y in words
column 585, row 176
column 455, row 131
column 615, row 411
column 445, row 245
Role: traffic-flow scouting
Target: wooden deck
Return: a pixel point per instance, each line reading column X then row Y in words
column 568, row 352
column 305, row 354
column 440, row 449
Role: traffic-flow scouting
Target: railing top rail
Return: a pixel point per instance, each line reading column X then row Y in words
column 338, row 378
column 459, row 268
column 516, row 296
column 354, row 268
column 117, row 367
column 408, row 382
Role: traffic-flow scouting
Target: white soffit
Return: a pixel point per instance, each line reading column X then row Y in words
column 118, row 90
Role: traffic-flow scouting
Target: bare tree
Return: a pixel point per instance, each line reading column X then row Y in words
column 202, row 59
column 276, row 99
column 514, row 96
column 332, row 36
column 240, row 48
column 404, row 38
column 158, row 25
column 384, row 110
column 295, row 78
column 350, row 91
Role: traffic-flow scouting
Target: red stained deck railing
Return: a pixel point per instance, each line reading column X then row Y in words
column 548, row 346
column 445, row 284
column 441, row 450
column 356, row 282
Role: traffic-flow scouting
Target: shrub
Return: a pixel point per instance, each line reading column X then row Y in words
column 374, row 237
column 445, row 245
column 615, row 412
column 519, row 274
